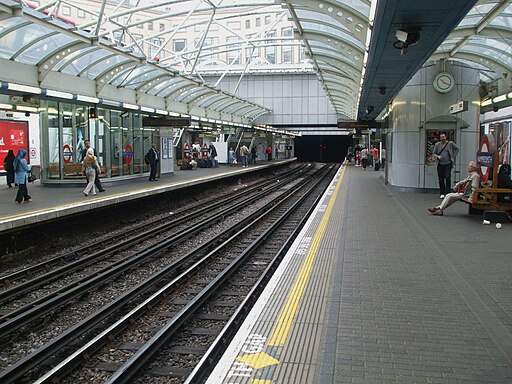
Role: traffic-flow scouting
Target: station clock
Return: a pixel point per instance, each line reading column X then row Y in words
column 444, row 82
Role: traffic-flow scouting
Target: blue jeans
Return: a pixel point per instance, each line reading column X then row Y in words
column 245, row 161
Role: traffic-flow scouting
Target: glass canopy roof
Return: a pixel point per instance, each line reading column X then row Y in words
column 162, row 48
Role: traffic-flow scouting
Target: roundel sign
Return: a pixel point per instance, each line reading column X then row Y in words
column 67, row 155
column 128, row 154
column 485, row 156
column 186, row 150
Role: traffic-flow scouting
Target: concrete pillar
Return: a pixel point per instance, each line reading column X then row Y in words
column 418, row 110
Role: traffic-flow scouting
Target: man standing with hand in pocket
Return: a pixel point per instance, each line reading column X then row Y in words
column 154, row 159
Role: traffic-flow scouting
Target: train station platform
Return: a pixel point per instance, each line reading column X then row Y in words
column 50, row 203
column 377, row 290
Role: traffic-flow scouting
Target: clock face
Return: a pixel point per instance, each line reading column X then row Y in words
column 444, row 82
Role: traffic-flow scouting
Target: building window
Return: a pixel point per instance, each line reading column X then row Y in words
column 258, row 22
column 161, row 27
column 302, row 54
column 81, row 13
column 233, row 53
column 267, row 20
column 251, row 52
column 179, row 45
column 154, row 48
column 150, row 26
column 234, row 25
column 270, row 51
column 139, row 24
column 139, row 39
column 208, row 54
column 247, row 24
column 66, row 11
column 287, row 50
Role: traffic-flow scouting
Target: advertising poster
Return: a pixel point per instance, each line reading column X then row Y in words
column 13, row 135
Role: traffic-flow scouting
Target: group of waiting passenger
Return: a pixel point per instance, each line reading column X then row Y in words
column 444, row 153
column 17, row 172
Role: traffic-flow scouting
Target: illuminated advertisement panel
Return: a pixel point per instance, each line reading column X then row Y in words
column 13, row 135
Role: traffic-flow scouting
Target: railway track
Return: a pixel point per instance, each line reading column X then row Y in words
column 210, row 257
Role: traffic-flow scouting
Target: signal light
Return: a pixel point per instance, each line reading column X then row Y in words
column 93, row 113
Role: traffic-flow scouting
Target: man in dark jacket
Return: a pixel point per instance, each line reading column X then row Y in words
column 154, row 158
column 97, row 181
column 213, row 155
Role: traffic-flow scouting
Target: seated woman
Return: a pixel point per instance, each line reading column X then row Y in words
column 463, row 188
column 504, row 181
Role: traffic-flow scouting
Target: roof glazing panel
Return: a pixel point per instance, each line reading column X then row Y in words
column 43, row 48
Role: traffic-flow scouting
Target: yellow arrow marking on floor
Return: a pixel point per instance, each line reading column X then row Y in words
column 285, row 320
column 258, row 360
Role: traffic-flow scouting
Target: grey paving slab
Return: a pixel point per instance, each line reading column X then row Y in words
column 395, row 295
column 420, row 298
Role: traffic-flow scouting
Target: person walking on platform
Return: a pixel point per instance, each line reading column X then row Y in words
column 463, row 188
column 154, row 159
column 444, row 151
column 364, row 157
column 383, row 157
column 9, row 167
column 90, row 167
column 21, row 169
column 213, row 155
column 253, row 154
column 97, row 181
column 269, row 153
column 231, row 157
column 244, row 154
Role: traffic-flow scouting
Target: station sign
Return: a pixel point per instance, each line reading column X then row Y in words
column 359, row 124
column 128, row 154
column 166, row 121
column 461, row 106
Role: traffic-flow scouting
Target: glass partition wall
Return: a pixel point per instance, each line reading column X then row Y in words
column 119, row 138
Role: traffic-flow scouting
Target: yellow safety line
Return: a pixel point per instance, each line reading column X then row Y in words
column 285, row 320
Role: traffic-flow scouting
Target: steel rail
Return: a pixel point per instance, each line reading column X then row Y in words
column 217, row 348
column 25, row 315
column 77, row 357
column 128, row 371
column 70, row 256
column 38, row 281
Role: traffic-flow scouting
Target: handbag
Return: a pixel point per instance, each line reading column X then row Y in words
column 31, row 178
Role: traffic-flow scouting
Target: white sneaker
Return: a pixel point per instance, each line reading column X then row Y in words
column 441, row 197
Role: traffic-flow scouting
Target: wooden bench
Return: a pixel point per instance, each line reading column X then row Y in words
column 485, row 198
column 71, row 171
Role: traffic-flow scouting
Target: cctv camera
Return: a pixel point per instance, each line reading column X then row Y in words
column 401, row 35
column 407, row 37
column 382, row 91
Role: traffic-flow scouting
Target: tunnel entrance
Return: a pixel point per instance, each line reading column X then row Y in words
column 323, row 149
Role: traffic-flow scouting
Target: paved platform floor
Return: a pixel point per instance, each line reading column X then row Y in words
column 395, row 295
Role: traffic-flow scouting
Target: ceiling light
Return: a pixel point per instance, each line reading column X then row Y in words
column 23, row 88
column 59, row 94
column 88, row 99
